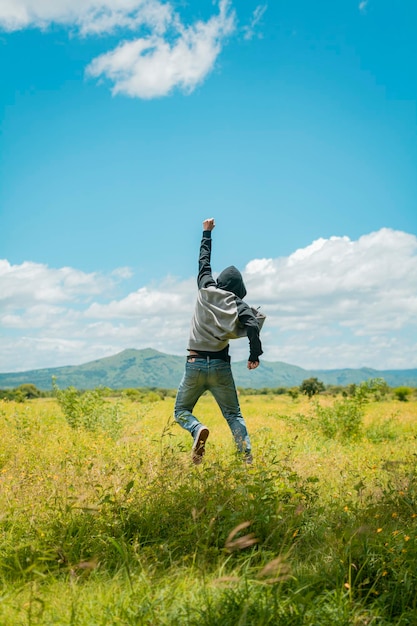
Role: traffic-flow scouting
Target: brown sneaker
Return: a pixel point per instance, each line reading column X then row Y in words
column 198, row 449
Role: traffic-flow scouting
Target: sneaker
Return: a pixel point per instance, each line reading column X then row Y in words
column 198, row 449
column 248, row 458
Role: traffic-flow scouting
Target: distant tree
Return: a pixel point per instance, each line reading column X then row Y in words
column 381, row 389
column 293, row 393
column 335, row 390
column 311, row 386
column 133, row 394
column 28, row 391
column 402, row 393
column 351, row 389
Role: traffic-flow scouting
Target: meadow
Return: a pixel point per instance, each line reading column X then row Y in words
column 104, row 520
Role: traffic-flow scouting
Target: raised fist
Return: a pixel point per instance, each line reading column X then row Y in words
column 209, row 224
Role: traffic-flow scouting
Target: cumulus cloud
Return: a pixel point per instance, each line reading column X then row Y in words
column 41, row 309
column 167, row 55
column 334, row 303
column 152, row 66
column 86, row 16
column 341, row 277
column 338, row 288
column 30, row 283
column 167, row 298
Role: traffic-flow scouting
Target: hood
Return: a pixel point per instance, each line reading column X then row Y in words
column 230, row 279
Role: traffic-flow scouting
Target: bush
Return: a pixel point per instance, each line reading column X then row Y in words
column 27, row 391
column 89, row 410
column 293, row 393
column 344, row 418
column 402, row 393
column 341, row 420
column 311, row 386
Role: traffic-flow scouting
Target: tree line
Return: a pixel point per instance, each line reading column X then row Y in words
column 309, row 387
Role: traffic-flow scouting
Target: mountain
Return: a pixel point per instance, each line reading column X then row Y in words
column 150, row 368
column 130, row 368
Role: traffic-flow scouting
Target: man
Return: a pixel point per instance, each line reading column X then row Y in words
column 220, row 315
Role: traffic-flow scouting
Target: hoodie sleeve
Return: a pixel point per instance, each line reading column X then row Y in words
column 249, row 321
column 205, row 278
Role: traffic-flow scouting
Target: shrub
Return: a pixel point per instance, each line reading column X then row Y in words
column 344, row 418
column 402, row 393
column 27, row 391
column 293, row 393
column 89, row 410
column 311, row 386
column 341, row 420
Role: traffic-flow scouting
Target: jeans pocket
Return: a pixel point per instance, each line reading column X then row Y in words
column 192, row 374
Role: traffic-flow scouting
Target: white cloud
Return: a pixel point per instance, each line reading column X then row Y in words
column 30, row 283
column 168, row 300
column 88, row 16
column 42, row 307
column 257, row 15
column 152, row 66
column 168, row 55
column 334, row 303
column 363, row 5
column 365, row 290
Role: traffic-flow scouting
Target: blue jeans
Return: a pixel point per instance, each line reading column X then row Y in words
column 215, row 375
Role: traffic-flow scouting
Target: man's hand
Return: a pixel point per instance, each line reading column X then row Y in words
column 209, row 224
column 252, row 365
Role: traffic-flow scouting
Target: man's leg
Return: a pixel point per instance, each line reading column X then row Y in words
column 222, row 386
column 192, row 386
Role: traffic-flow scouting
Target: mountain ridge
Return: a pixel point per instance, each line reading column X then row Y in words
column 150, row 368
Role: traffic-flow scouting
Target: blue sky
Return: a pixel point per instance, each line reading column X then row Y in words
column 124, row 123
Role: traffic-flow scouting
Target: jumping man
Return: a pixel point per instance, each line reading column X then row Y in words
column 220, row 315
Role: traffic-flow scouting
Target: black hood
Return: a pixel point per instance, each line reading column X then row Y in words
column 230, row 279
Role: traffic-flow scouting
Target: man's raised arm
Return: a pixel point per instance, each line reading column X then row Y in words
column 204, row 266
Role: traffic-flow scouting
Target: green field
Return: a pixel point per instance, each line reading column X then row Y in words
column 105, row 521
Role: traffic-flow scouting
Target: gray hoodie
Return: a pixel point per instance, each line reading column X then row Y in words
column 220, row 313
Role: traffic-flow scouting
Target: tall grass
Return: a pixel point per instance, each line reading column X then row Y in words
column 111, row 525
